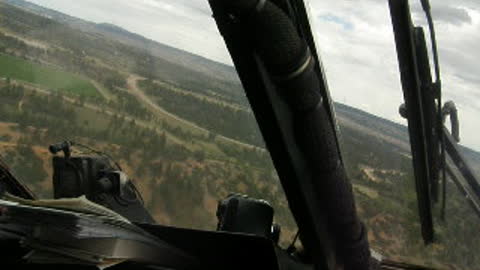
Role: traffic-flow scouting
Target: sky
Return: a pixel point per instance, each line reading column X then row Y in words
column 354, row 39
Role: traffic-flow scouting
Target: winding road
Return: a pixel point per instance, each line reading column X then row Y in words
column 132, row 84
column 140, row 122
column 154, row 108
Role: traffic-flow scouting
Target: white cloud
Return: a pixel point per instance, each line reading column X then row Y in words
column 355, row 40
column 360, row 63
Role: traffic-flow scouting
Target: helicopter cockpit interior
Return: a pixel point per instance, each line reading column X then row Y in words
column 239, row 134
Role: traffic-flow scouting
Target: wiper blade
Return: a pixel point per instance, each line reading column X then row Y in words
column 439, row 159
column 415, row 112
column 428, row 12
column 459, row 160
column 468, row 195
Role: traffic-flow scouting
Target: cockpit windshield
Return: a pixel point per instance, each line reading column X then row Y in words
column 152, row 84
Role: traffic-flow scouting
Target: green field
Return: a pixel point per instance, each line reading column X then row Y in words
column 19, row 69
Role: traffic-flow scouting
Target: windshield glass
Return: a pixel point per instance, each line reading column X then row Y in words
column 150, row 83
column 357, row 46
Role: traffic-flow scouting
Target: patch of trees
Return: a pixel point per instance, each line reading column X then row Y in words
column 27, row 166
column 218, row 118
column 184, row 134
column 128, row 104
column 180, row 190
column 8, row 42
column 12, row 93
column 253, row 156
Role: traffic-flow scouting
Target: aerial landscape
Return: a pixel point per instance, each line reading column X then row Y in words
column 181, row 127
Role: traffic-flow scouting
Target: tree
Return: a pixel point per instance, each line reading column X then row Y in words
column 163, row 140
column 199, row 155
column 82, row 100
column 211, row 136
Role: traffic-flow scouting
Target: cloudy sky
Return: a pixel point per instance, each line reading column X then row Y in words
column 354, row 37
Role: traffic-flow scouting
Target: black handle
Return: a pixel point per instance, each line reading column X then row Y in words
column 57, row 147
column 63, row 146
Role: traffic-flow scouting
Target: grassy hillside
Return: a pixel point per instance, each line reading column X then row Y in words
column 124, row 50
column 173, row 55
column 19, row 69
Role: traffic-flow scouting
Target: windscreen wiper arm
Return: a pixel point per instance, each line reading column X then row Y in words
column 408, row 38
column 454, row 152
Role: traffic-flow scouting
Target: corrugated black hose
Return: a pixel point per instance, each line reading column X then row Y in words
column 288, row 60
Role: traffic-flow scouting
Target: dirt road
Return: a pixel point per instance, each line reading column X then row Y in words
column 96, row 108
column 132, row 83
column 101, row 90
